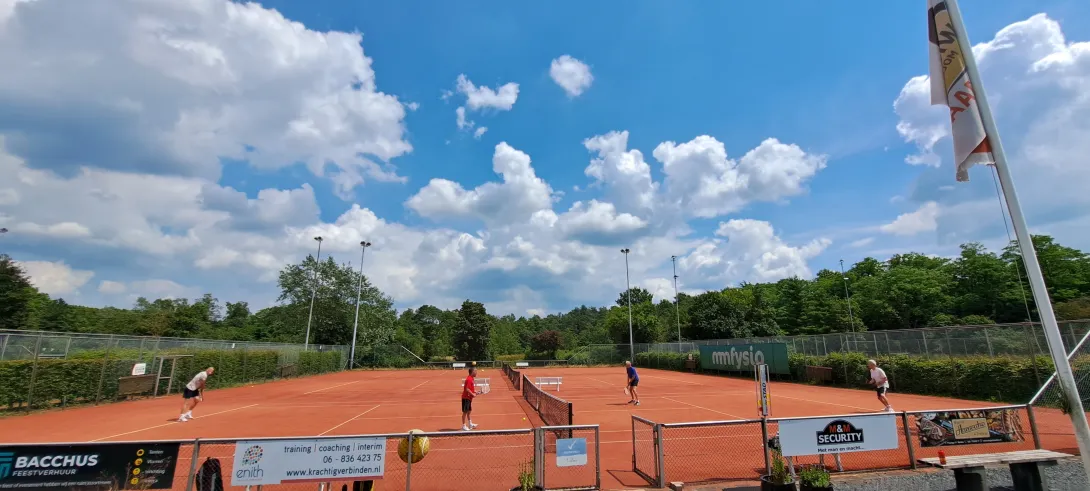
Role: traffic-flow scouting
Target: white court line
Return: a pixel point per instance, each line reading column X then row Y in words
column 827, row 403
column 349, row 421
column 421, row 383
column 704, row 408
column 600, row 380
column 167, row 424
column 332, row 387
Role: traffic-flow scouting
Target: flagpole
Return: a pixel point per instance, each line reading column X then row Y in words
column 1025, row 244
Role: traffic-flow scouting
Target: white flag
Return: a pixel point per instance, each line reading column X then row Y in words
column 950, row 86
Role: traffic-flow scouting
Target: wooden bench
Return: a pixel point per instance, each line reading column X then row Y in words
column 819, row 374
column 969, row 473
column 135, row 385
column 288, row 370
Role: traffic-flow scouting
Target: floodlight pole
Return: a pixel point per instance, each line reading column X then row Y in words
column 628, row 293
column 313, row 292
column 677, row 303
column 359, row 288
column 848, row 296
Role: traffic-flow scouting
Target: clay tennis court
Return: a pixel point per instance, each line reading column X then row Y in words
column 389, row 401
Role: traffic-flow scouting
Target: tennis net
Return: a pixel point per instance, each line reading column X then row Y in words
column 513, row 375
column 553, row 410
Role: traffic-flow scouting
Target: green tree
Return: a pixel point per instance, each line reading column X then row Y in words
column 335, row 304
column 16, row 293
column 646, row 326
column 472, row 335
column 639, row 295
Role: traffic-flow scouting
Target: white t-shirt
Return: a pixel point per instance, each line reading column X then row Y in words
column 198, row 381
column 878, row 374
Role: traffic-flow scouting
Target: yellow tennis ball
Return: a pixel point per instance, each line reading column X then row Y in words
column 421, row 445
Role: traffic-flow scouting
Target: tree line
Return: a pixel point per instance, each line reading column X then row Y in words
column 906, row 291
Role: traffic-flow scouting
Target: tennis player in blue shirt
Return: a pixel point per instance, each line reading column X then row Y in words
column 633, row 381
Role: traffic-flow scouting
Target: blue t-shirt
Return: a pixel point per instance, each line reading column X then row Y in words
column 632, row 373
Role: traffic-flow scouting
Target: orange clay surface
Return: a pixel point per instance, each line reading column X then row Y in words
column 388, row 401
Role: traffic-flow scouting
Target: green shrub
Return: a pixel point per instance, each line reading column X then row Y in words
column 91, row 376
column 510, row 358
column 664, row 360
column 441, row 359
column 1012, row 379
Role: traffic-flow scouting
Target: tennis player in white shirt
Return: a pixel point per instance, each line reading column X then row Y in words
column 193, row 393
column 880, row 382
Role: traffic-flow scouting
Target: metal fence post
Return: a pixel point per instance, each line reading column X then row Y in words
column 598, row 458
column 1033, row 427
column 908, row 439
column 539, row 457
column 102, row 374
column 33, row 373
column 193, row 465
column 409, row 464
column 764, row 444
column 660, row 465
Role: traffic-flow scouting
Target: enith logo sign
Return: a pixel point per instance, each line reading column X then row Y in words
column 839, row 432
column 738, row 358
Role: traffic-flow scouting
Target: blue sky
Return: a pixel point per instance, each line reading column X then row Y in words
column 177, row 148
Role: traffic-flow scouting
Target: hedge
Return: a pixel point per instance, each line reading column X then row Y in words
column 78, row 379
column 982, row 378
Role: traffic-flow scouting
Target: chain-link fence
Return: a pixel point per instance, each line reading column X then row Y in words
column 646, row 447
column 482, row 460
column 44, row 369
column 694, row 452
column 1022, row 339
column 1052, row 395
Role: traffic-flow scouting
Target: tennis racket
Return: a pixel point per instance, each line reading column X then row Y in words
column 486, row 389
column 626, row 392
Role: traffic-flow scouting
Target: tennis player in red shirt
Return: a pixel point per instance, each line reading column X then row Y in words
column 469, row 391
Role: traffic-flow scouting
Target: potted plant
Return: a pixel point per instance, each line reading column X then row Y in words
column 815, row 478
column 526, row 478
column 779, row 479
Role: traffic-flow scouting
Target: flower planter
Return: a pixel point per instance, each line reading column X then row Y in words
column 806, row 487
column 766, row 485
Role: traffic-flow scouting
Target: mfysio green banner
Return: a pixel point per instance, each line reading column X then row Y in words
column 742, row 357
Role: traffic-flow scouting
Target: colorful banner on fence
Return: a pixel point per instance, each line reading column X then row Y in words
column 105, row 466
column 819, row 436
column 742, row 357
column 969, row 427
column 276, row 461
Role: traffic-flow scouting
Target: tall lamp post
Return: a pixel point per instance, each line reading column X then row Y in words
column 628, row 293
column 847, row 295
column 359, row 288
column 677, row 303
column 313, row 291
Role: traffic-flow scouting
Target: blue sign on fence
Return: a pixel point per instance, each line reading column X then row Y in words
column 571, row 452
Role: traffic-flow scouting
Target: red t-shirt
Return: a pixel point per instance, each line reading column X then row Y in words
column 468, row 390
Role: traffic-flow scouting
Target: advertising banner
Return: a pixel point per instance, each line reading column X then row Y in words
column 820, row 436
column 106, row 466
column 969, row 427
column 276, row 461
column 742, row 357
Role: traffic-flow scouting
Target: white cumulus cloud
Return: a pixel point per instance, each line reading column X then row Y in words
column 571, row 74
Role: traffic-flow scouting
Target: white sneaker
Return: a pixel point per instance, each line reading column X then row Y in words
column 471, row 426
column 889, row 409
column 465, row 428
column 189, row 415
column 182, row 419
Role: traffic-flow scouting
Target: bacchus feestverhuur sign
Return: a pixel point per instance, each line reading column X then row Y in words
column 743, row 357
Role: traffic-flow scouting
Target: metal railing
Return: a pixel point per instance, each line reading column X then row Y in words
column 452, row 457
column 693, row 452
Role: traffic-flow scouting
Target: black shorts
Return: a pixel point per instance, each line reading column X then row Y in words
column 467, row 405
column 189, row 394
column 881, row 390
column 634, row 383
